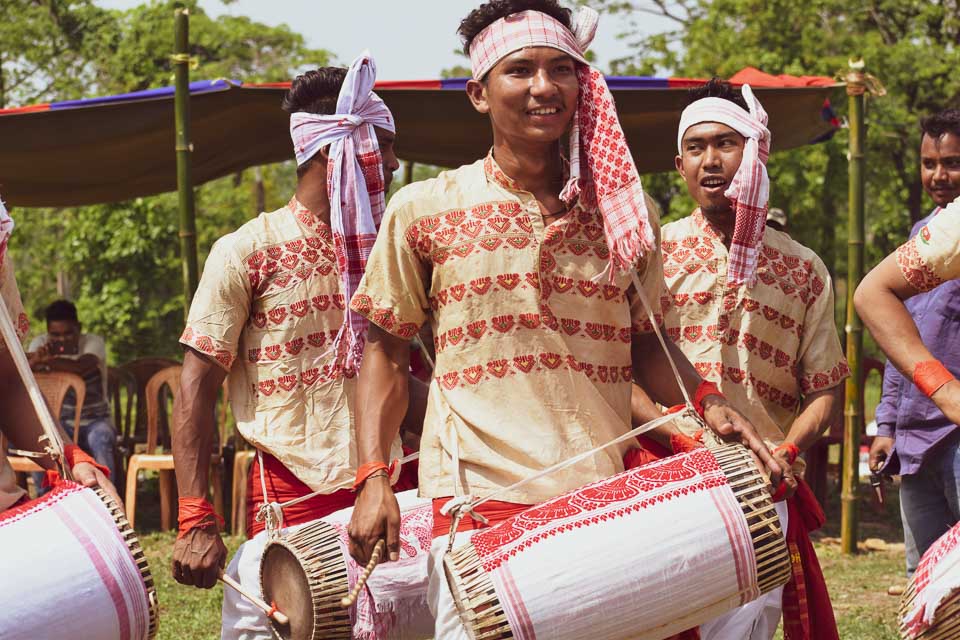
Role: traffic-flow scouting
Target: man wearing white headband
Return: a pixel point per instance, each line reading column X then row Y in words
column 521, row 265
column 753, row 312
column 270, row 311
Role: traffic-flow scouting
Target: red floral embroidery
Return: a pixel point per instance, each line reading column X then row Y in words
column 205, row 344
column 384, row 318
column 915, row 269
column 533, row 363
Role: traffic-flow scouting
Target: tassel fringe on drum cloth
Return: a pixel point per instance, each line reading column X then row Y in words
column 73, row 568
column 576, row 566
column 930, row 609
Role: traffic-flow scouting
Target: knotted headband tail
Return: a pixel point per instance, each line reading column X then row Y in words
column 749, row 191
column 355, row 184
column 602, row 171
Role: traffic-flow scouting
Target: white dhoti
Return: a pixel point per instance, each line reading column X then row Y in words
column 398, row 589
column 756, row 620
column 446, row 616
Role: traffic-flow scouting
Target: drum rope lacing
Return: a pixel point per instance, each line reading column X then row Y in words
column 464, row 503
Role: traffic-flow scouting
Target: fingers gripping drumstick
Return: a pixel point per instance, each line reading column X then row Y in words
column 271, row 611
column 347, row 602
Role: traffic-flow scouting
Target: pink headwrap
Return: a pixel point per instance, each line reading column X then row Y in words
column 355, row 182
column 6, row 228
column 602, row 172
column 749, row 191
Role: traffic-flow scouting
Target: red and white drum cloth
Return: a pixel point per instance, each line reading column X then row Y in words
column 937, row 578
column 627, row 534
column 68, row 572
column 394, row 604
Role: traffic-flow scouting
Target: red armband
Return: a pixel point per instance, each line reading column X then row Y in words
column 930, row 375
column 705, row 389
column 366, row 470
column 792, row 450
column 74, row 455
column 196, row 512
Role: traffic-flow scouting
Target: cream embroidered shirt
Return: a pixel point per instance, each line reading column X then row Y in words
column 932, row 257
column 531, row 335
column 766, row 346
column 267, row 309
column 10, row 492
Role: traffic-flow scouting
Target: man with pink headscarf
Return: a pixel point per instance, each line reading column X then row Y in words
column 532, row 267
column 753, row 311
column 270, row 311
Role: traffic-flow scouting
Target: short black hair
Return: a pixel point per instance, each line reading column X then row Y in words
column 717, row 88
column 489, row 12
column 938, row 124
column 315, row 91
column 61, row 311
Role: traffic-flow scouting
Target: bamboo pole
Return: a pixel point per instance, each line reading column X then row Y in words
column 408, row 172
column 853, row 404
column 184, row 149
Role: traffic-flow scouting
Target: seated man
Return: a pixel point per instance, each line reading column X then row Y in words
column 66, row 348
column 19, row 423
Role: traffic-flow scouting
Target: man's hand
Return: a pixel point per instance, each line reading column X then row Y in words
column 732, row 426
column 880, row 452
column 39, row 359
column 947, row 398
column 199, row 557
column 89, row 476
column 376, row 515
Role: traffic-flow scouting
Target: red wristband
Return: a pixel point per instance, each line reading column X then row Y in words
column 705, row 389
column 194, row 513
column 793, row 451
column 366, row 470
column 930, row 375
column 74, row 455
column 682, row 443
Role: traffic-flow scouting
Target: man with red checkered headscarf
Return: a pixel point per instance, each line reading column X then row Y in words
column 523, row 263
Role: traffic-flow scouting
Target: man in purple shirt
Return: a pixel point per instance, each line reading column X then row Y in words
column 914, row 438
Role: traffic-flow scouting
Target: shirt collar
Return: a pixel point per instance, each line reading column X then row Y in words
column 308, row 219
column 495, row 174
column 701, row 221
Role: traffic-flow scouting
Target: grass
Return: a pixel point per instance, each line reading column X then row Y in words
column 857, row 584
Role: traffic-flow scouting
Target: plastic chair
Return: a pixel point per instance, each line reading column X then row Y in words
column 54, row 386
column 133, row 431
column 165, row 381
column 120, row 380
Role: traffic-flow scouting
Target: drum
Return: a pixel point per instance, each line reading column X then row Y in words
column 306, row 573
column 644, row 554
column 74, row 567
column 930, row 609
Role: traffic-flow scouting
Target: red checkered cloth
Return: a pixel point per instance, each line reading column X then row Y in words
column 749, row 191
column 6, row 228
column 602, row 172
column 355, row 183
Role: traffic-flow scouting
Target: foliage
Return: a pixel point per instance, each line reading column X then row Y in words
column 911, row 45
column 120, row 262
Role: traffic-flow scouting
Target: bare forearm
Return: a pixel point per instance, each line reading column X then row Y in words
column 195, row 431
column 879, row 301
column 819, row 411
column 382, row 394
column 20, row 423
column 417, row 392
column 652, row 371
column 82, row 366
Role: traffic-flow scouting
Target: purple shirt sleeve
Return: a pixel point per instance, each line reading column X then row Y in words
column 889, row 401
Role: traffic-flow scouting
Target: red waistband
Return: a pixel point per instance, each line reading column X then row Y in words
column 494, row 511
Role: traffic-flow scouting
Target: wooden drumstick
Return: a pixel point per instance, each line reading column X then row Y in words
column 271, row 612
column 347, row 602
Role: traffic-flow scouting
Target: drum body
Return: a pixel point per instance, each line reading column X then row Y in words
column 645, row 554
column 73, row 568
column 306, row 573
column 930, row 609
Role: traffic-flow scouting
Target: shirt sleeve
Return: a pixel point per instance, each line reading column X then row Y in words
column 220, row 307
column 393, row 293
column 821, row 361
column 932, row 257
column 95, row 345
column 650, row 275
column 37, row 342
column 889, row 399
column 11, row 299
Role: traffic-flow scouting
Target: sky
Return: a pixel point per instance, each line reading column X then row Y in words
column 410, row 40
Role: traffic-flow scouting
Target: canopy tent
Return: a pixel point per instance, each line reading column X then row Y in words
column 119, row 147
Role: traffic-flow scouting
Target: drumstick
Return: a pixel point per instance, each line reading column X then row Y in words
column 271, row 612
column 347, row 601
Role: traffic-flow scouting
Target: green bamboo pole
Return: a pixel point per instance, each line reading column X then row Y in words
column 853, row 405
column 184, row 149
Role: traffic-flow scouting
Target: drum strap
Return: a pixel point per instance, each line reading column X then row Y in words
column 271, row 513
